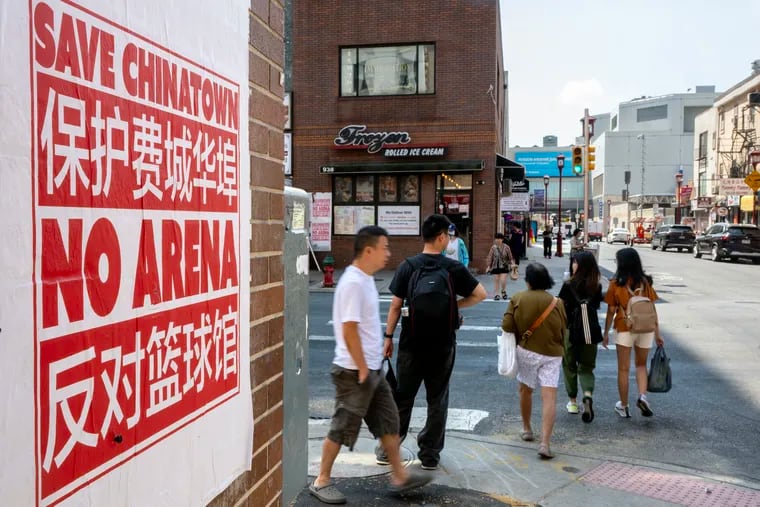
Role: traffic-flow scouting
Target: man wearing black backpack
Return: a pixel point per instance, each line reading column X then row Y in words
column 425, row 289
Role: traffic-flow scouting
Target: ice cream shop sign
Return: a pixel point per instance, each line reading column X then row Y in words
column 390, row 144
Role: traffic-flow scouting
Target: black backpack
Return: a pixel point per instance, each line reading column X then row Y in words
column 584, row 321
column 430, row 296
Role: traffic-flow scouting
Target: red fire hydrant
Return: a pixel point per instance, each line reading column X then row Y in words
column 328, row 270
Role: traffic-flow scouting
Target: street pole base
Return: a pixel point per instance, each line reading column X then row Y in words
column 559, row 254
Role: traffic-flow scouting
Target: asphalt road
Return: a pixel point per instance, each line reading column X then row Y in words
column 708, row 422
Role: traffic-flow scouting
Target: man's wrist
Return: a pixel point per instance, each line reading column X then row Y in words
column 388, row 336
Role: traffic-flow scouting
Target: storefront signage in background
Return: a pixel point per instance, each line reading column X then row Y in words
column 287, row 162
column 321, row 221
column 704, row 202
column 127, row 356
column 515, row 202
column 538, row 198
column 685, row 194
column 399, row 220
column 733, row 200
column 426, row 151
column 521, row 187
column 542, row 163
column 349, row 219
column 357, row 137
column 734, row 186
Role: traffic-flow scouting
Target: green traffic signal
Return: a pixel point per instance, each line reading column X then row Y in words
column 577, row 160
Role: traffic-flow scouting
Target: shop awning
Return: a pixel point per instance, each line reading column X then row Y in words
column 447, row 166
column 509, row 169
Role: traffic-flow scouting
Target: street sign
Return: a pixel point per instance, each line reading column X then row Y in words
column 722, row 211
column 753, row 180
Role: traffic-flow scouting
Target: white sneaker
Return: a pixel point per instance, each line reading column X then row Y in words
column 621, row 410
column 572, row 407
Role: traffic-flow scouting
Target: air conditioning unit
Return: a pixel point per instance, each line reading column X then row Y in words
column 714, row 190
column 753, row 98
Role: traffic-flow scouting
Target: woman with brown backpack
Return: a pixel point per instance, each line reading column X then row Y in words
column 631, row 285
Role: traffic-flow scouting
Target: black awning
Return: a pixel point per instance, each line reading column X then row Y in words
column 448, row 166
column 509, row 169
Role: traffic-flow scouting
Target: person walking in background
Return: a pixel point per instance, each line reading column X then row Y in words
column 538, row 320
column 516, row 243
column 547, row 235
column 361, row 391
column 576, row 246
column 425, row 289
column 630, row 279
column 582, row 296
column 498, row 264
column 456, row 249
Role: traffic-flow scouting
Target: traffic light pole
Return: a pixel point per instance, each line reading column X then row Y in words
column 586, row 140
column 558, row 253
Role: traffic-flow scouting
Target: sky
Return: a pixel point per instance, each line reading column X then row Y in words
column 565, row 56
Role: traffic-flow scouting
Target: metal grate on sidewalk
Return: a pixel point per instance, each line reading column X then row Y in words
column 674, row 488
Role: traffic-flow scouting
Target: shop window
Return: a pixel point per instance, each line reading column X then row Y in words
column 391, row 201
column 387, row 70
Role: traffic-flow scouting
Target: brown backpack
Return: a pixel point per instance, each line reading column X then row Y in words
column 640, row 314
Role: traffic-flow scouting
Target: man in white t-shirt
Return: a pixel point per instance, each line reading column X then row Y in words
column 361, row 389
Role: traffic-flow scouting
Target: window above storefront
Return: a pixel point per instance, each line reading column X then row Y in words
column 387, row 70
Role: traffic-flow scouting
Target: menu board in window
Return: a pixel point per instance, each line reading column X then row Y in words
column 349, row 219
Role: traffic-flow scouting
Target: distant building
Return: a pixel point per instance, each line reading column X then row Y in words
column 652, row 138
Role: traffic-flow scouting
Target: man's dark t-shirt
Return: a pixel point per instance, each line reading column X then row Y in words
column 461, row 279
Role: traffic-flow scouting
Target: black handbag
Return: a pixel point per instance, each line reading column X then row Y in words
column 390, row 376
column 660, row 378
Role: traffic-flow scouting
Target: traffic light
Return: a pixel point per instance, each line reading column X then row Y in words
column 577, row 160
column 591, row 160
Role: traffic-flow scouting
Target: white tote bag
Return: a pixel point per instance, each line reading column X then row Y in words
column 507, row 354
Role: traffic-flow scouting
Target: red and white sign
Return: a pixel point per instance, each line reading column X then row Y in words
column 321, row 221
column 135, row 202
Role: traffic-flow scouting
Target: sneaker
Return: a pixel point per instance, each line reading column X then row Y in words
column 621, row 410
column 429, row 464
column 588, row 409
column 572, row 407
column 380, row 457
column 643, row 405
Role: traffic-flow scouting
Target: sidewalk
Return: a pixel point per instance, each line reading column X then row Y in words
column 503, row 470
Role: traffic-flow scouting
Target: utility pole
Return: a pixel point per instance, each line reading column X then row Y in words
column 643, row 173
column 586, row 143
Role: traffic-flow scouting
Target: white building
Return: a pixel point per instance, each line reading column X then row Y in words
column 653, row 138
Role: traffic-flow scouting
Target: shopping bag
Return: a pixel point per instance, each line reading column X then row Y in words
column 514, row 274
column 507, row 354
column 659, row 379
column 390, row 376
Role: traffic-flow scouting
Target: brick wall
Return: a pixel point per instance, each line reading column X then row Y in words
column 460, row 114
column 262, row 486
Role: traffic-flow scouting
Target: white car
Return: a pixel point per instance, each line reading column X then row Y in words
column 619, row 234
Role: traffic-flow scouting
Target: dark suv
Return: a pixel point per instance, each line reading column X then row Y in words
column 732, row 241
column 674, row 236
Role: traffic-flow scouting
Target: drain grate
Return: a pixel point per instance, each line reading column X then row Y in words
column 668, row 487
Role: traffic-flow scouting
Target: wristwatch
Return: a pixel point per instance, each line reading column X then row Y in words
column 389, row 336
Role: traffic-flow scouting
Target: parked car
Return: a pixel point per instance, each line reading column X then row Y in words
column 674, row 236
column 729, row 241
column 619, row 234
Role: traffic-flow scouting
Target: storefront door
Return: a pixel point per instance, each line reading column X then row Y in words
column 454, row 199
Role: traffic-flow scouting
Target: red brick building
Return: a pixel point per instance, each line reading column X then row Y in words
column 398, row 112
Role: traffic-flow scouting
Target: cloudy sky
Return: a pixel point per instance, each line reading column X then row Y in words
column 629, row 49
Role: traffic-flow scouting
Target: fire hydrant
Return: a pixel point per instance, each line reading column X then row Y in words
column 328, row 271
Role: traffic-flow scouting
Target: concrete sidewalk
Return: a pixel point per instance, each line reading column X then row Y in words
column 501, row 469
